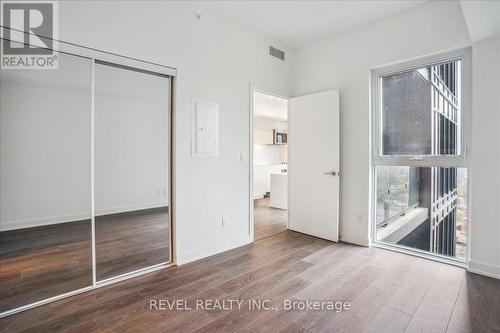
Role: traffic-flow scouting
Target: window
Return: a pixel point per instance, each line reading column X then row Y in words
column 420, row 113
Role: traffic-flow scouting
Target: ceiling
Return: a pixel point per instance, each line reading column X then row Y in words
column 268, row 106
column 482, row 17
column 294, row 24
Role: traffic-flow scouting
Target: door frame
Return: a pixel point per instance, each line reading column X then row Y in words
column 277, row 93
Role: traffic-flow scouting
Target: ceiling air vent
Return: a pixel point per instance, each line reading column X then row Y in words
column 276, row 53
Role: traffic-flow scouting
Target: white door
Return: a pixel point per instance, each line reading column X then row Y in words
column 314, row 164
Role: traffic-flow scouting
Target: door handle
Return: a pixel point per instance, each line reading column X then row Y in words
column 331, row 173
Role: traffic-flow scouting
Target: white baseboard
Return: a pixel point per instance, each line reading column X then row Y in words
column 129, row 208
column 207, row 251
column 354, row 239
column 37, row 222
column 484, row 269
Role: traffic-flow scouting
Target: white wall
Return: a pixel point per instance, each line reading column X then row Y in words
column 216, row 61
column 45, row 145
column 264, row 152
column 131, row 140
column 267, row 158
column 345, row 63
column 485, row 159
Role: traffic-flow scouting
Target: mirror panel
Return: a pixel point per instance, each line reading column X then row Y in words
column 131, row 170
column 45, row 200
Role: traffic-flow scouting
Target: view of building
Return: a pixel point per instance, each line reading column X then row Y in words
column 417, row 206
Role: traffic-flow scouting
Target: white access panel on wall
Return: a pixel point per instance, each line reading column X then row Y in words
column 205, row 128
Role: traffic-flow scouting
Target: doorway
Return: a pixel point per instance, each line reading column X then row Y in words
column 269, row 184
column 288, row 134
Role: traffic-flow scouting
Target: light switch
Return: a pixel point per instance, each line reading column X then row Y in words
column 243, row 156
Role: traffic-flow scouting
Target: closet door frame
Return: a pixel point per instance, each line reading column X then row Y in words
column 130, row 63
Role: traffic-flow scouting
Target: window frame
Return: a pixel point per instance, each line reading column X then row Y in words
column 459, row 160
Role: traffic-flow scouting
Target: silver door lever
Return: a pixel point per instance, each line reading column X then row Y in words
column 331, row 173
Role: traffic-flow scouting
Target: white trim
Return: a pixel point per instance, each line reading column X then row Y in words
column 130, row 208
column 44, row 301
column 269, row 91
column 92, row 174
column 482, row 268
column 71, row 218
column 354, row 239
column 44, row 221
column 420, row 254
column 463, row 54
column 126, row 276
column 210, row 250
column 100, row 55
column 462, row 160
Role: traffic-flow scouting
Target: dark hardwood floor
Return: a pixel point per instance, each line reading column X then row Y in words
column 131, row 241
column 41, row 262
column 268, row 221
column 389, row 292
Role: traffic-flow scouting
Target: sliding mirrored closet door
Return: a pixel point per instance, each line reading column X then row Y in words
column 131, row 170
column 45, row 182
column 84, row 177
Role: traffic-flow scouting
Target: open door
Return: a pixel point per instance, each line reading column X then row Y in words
column 314, row 164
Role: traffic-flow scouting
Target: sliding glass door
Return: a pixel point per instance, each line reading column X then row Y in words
column 131, row 170
column 84, row 176
column 420, row 156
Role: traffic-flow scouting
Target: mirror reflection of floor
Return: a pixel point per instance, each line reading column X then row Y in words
column 130, row 241
column 42, row 262
column 268, row 221
column 46, row 261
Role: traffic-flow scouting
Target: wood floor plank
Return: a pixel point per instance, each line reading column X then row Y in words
column 69, row 320
column 317, row 320
column 408, row 297
column 272, row 321
column 388, row 320
column 237, row 319
column 154, row 319
column 268, row 221
column 48, row 261
column 475, row 305
column 195, row 320
column 222, row 276
column 389, row 292
column 434, row 312
column 362, row 310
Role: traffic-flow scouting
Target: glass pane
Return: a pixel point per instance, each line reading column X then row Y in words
column 396, row 190
column 421, row 111
column 45, row 238
column 435, row 216
column 131, row 170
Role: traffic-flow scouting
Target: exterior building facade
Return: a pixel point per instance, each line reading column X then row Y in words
column 417, row 205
